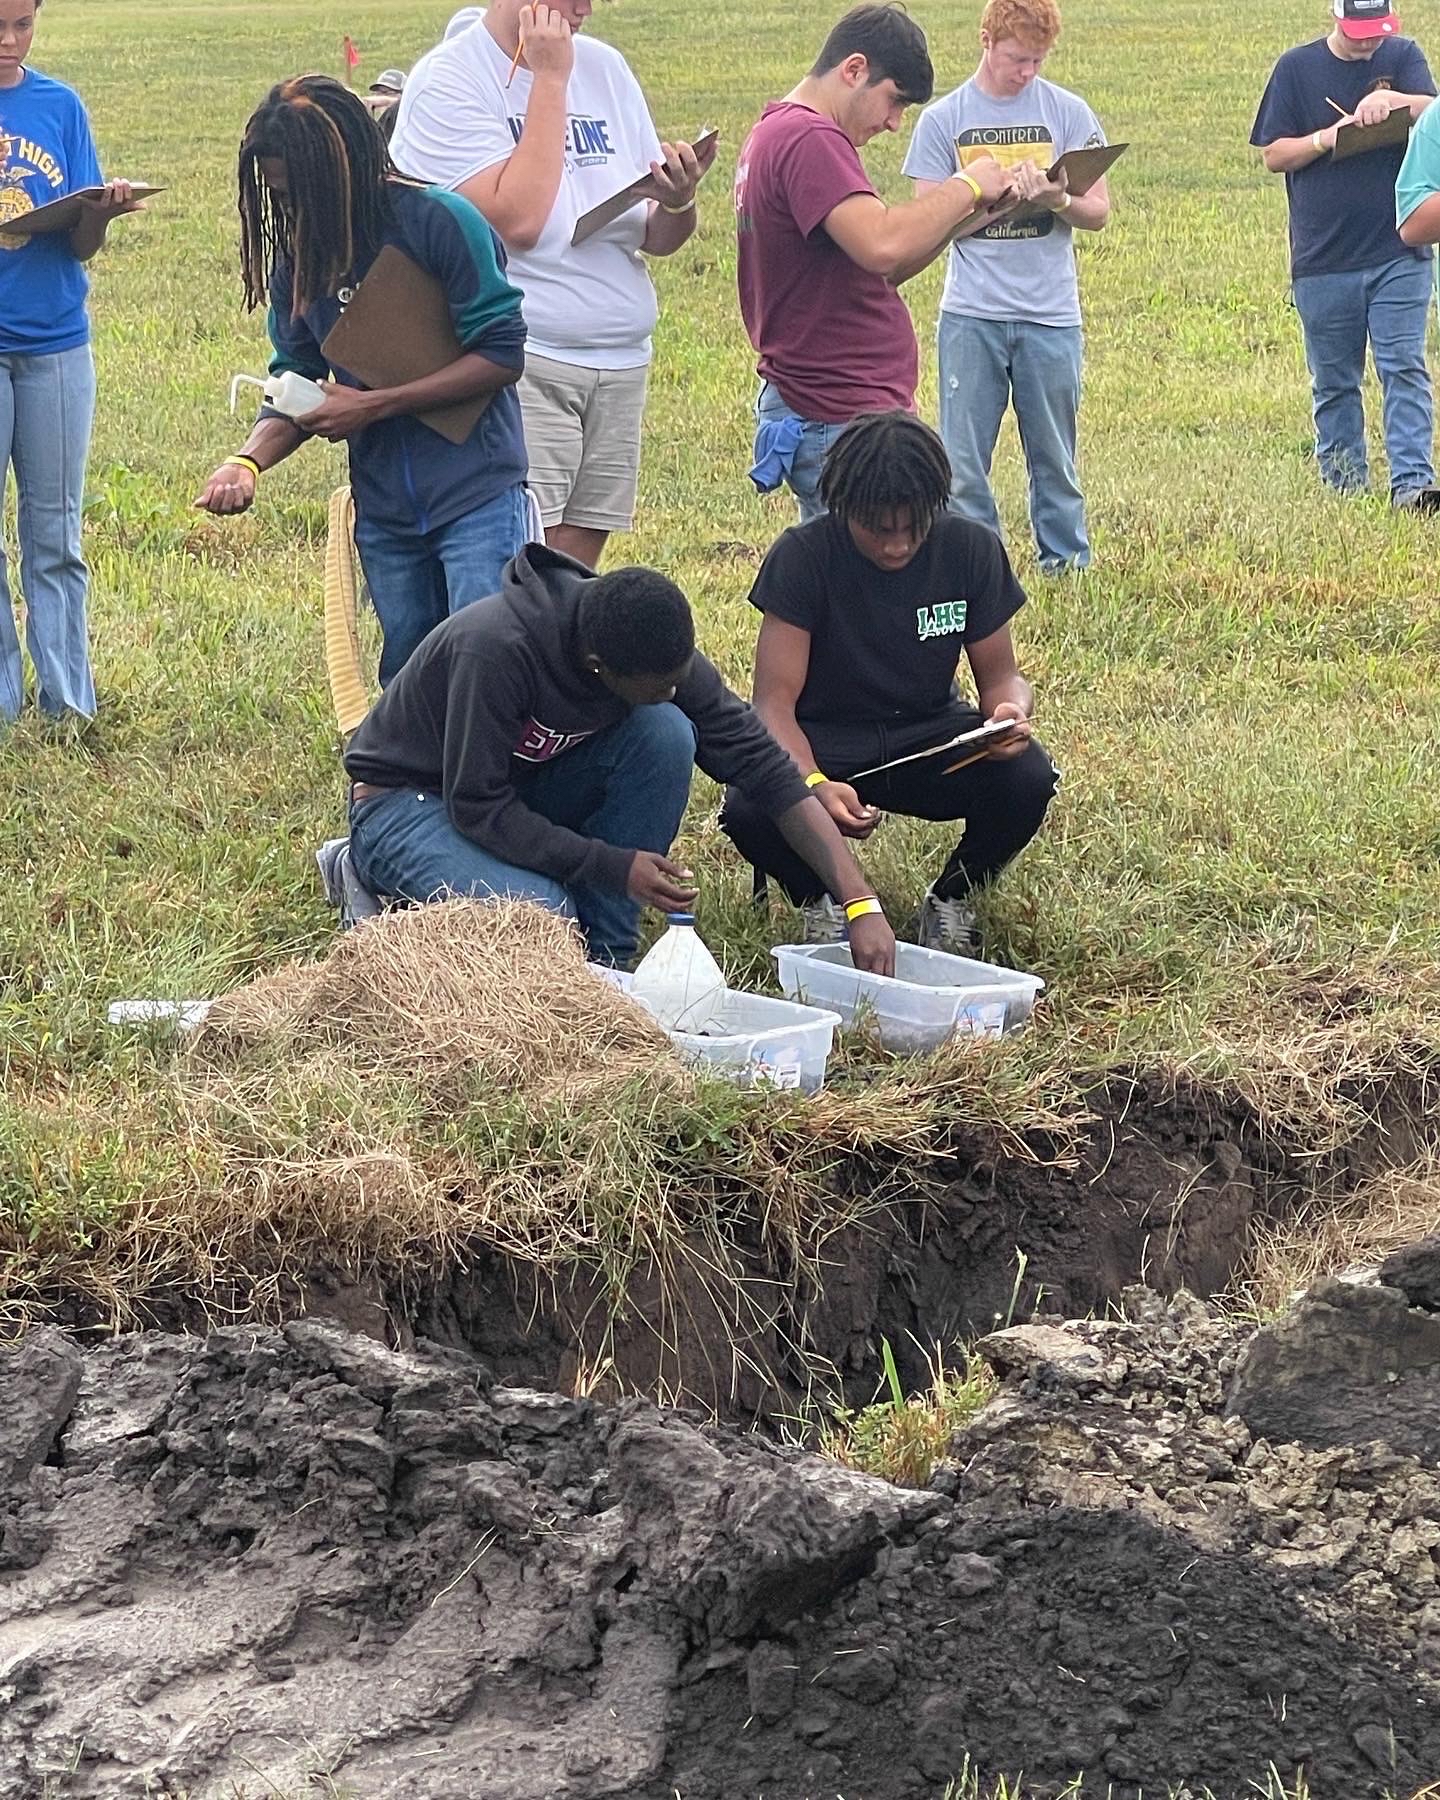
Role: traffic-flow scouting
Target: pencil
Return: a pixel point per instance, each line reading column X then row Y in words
column 520, row 51
column 1328, row 101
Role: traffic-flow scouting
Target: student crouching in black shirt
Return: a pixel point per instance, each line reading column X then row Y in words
column 866, row 612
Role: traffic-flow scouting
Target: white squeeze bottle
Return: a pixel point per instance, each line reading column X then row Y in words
column 290, row 393
column 678, row 979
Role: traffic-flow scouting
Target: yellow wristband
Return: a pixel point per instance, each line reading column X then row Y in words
column 1064, row 205
column 973, row 185
column 857, row 909
column 1319, row 144
column 814, row 778
column 244, row 462
column 689, row 206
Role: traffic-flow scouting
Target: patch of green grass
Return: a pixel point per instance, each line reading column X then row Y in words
column 905, row 1437
column 1244, row 694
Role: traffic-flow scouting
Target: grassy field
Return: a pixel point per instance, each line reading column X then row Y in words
column 1244, row 694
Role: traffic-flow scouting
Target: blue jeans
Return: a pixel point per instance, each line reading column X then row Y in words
column 47, row 404
column 416, row 580
column 984, row 365
column 627, row 786
column 1390, row 306
column 803, row 478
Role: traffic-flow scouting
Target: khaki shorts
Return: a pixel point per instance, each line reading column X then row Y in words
column 582, row 430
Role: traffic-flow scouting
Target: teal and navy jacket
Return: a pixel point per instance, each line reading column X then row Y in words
column 405, row 476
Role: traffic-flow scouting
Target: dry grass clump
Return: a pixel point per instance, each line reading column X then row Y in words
column 1382, row 1215
column 449, row 996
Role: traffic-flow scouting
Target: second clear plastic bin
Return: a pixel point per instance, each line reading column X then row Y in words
column 930, row 998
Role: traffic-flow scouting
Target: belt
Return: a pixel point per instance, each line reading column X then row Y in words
column 366, row 790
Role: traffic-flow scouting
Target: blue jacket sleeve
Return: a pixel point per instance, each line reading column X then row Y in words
column 452, row 241
column 293, row 344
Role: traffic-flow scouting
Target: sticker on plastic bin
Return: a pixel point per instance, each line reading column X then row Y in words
column 782, row 1074
column 983, row 1020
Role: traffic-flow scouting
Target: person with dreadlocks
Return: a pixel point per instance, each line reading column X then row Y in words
column 435, row 521
column 865, row 612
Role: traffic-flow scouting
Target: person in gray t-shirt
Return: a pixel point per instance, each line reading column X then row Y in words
column 1010, row 316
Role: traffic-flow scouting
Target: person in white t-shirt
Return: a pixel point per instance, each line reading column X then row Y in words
column 535, row 145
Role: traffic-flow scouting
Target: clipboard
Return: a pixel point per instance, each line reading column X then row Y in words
column 642, row 188
column 64, row 214
column 397, row 329
column 975, row 744
column 1355, row 140
column 1082, row 169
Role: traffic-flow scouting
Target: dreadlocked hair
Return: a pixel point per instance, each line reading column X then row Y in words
column 336, row 167
column 882, row 463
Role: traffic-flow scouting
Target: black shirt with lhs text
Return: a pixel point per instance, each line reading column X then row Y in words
column 885, row 644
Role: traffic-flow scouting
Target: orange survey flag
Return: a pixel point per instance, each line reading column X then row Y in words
column 352, row 56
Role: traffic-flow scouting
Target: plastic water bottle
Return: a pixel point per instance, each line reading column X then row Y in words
column 290, row 392
column 678, row 980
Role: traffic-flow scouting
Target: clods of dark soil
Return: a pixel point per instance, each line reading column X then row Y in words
column 1163, row 1555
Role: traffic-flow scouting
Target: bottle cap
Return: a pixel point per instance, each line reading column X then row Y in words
column 680, row 918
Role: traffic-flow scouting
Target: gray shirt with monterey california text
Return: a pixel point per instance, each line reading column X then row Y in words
column 1023, row 269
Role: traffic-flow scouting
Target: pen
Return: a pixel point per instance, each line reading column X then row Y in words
column 520, row 51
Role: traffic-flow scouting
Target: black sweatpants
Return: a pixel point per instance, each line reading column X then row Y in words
column 1002, row 803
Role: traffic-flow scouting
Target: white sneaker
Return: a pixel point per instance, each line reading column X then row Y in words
column 822, row 922
column 343, row 887
column 949, row 925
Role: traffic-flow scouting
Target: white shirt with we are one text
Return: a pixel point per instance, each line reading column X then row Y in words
column 591, row 304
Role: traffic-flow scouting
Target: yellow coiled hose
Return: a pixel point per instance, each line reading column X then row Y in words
column 348, row 691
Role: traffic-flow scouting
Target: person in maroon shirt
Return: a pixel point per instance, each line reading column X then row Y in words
column 820, row 254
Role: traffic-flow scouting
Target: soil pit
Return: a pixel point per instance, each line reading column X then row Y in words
column 281, row 1553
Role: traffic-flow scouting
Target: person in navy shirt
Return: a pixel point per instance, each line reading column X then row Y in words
column 47, row 373
column 435, row 521
column 1352, row 277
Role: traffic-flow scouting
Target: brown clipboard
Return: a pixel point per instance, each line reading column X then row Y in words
column 398, row 329
column 1082, row 169
column 64, row 214
column 1355, row 140
column 642, row 188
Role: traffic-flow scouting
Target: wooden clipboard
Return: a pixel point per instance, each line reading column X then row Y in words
column 398, row 329
column 1082, row 169
column 642, row 188
column 64, row 214
column 1355, row 140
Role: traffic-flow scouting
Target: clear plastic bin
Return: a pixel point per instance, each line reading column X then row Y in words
column 930, row 998
column 754, row 1039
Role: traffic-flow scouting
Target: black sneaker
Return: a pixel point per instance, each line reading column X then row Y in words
column 1417, row 500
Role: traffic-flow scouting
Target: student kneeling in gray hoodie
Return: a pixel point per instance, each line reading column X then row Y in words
column 539, row 745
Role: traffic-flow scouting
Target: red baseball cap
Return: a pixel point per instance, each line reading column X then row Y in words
column 1367, row 18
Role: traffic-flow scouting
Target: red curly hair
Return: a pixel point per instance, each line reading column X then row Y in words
column 1033, row 22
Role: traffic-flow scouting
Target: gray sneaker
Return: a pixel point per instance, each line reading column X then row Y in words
column 343, row 887
column 822, row 922
column 949, row 925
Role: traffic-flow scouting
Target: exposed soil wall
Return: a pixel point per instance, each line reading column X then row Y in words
column 1168, row 1188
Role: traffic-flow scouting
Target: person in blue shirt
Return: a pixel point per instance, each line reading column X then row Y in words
column 1353, row 278
column 435, row 521
column 47, row 373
